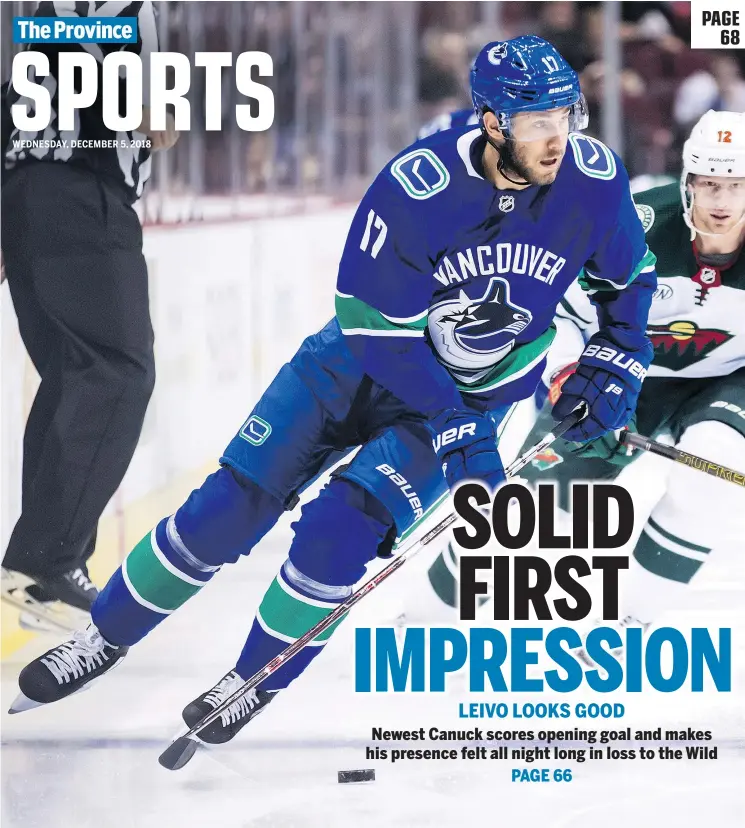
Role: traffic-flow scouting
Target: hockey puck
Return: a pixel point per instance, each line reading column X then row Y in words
column 367, row 775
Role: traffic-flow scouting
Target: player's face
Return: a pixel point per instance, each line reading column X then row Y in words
column 539, row 141
column 718, row 202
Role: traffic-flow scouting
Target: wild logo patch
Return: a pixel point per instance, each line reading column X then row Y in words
column 474, row 332
column 646, row 215
column 682, row 343
column 545, row 459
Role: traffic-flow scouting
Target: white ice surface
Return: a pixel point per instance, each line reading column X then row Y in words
column 91, row 761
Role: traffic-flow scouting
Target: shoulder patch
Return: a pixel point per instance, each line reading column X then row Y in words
column 646, row 215
column 592, row 157
column 421, row 173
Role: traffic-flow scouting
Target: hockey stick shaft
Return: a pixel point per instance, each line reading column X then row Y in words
column 406, row 553
column 628, row 438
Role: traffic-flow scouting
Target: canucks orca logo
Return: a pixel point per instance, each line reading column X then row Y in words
column 497, row 53
column 474, row 333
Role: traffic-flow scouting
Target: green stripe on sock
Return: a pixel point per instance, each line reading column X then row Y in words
column 664, row 562
column 153, row 582
column 291, row 616
column 675, row 539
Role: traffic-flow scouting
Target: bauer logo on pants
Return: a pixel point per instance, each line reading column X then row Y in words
column 255, row 430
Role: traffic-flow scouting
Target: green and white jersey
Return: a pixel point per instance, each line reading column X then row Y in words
column 697, row 318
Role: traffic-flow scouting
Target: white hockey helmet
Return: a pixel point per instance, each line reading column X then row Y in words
column 715, row 147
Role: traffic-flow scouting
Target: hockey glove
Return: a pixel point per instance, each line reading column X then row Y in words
column 609, row 380
column 466, row 443
column 608, row 447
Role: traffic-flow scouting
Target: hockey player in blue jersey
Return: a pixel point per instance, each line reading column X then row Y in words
column 448, row 284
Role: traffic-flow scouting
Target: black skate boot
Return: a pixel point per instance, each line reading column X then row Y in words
column 74, row 588
column 47, row 604
column 234, row 718
column 66, row 669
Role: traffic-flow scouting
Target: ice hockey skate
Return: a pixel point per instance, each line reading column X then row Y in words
column 66, row 669
column 56, row 604
column 234, row 718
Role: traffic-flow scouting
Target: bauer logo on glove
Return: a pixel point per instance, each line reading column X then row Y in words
column 609, row 380
column 465, row 442
column 617, row 358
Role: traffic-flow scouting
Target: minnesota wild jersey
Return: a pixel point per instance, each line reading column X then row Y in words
column 697, row 319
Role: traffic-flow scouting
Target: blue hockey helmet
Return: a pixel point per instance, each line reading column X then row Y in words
column 525, row 74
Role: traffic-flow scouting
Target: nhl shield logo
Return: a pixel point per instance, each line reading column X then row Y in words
column 708, row 276
column 507, row 203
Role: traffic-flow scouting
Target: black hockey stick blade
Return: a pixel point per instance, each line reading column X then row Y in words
column 178, row 753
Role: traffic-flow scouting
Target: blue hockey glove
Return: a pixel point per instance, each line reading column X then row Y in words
column 466, row 443
column 609, row 379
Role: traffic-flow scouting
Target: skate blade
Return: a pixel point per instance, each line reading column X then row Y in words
column 22, row 702
column 70, row 620
column 36, row 609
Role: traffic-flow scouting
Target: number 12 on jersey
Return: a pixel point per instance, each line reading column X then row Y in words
column 374, row 220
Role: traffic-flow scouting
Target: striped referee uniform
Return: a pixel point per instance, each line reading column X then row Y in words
column 73, row 258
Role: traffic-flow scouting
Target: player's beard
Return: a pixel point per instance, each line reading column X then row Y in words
column 515, row 163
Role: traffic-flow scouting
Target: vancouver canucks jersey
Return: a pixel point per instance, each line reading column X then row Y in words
column 448, row 287
column 697, row 319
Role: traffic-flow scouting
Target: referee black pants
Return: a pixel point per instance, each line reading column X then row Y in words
column 79, row 284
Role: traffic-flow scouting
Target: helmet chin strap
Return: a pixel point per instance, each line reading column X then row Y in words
column 500, row 161
column 500, row 170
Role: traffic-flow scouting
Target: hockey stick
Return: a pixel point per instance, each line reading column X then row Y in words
column 628, row 438
column 180, row 751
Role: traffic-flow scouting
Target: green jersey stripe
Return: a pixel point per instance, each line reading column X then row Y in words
column 356, row 316
column 675, row 539
column 516, row 364
column 573, row 313
column 590, row 282
column 659, row 560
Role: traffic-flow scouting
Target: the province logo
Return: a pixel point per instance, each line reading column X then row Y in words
column 475, row 332
column 682, row 343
